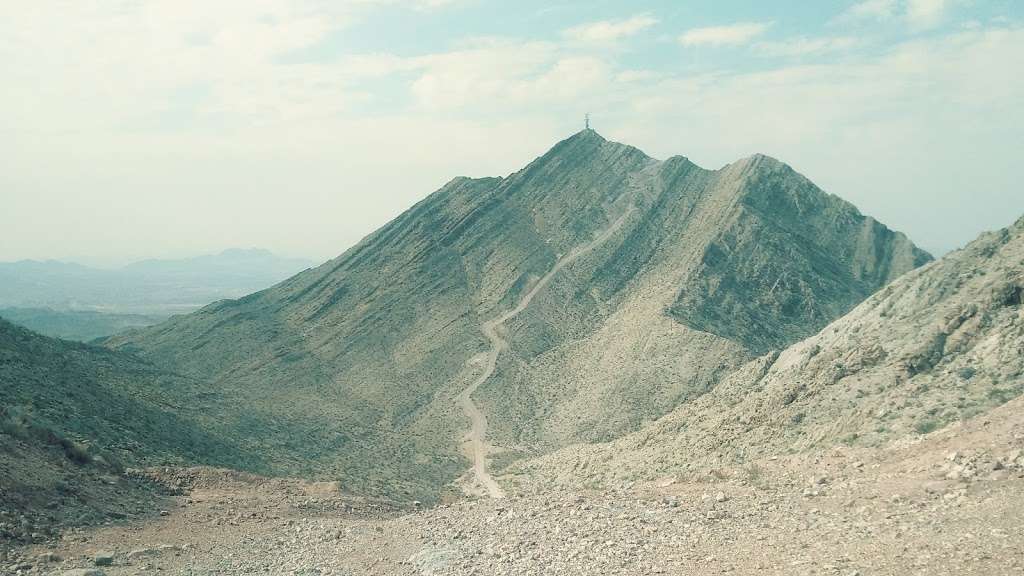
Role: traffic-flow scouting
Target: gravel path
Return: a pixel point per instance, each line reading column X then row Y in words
column 475, row 442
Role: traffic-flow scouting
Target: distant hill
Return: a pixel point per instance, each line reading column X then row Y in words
column 80, row 325
column 72, row 301
column 160, row 287
column 592, row 291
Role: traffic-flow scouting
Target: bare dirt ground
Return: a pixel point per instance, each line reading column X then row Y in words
column 950, row 503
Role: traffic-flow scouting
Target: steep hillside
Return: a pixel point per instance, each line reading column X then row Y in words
column 73, row 415
column 123, row 406
column 592, row 291
column 939, row 346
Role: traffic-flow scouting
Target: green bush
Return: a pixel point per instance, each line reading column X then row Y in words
column 20, row 425
column 926, row 426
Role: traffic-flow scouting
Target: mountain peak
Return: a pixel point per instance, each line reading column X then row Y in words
column 575, row 263
column 759, row 161
column 588, row 133
column 588, row 144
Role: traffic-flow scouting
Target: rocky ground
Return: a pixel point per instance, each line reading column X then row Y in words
column 949, row 502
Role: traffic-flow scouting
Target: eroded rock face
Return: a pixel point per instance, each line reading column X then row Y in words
column 361, row 357
column 937, row 347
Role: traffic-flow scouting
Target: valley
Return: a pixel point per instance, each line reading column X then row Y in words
column 842, row 511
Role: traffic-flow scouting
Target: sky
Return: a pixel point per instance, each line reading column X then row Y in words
column 166, row 128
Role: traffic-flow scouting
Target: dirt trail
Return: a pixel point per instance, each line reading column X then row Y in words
column 475, row 440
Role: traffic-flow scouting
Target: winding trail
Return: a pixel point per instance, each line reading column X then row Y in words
column 476, row 439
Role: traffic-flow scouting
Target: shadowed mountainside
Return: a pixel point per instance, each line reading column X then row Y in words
column 73, row 415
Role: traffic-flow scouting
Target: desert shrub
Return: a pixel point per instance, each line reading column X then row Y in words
column 13, row 428
column 927, row 425
column 1000, row 396
column 754, row 474
column 970, row 411
column 717, row 474
column 15, row 423
column 20, row 425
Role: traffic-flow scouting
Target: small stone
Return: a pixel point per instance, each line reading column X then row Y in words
column 142, row 553
column 721, row 497
column 47, row 557
column 103, row 559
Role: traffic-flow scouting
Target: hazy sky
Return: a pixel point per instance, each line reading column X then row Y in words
column 138, row 128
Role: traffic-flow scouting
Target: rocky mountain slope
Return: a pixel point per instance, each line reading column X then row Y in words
column 73, row 415
column 935, row 348
column 353, row 370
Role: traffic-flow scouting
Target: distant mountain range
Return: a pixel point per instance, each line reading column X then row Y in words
column 73, row 301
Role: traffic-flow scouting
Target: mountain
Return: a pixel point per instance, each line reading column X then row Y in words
column 934, row 349
column 155, row 287
column 234, row 266
column 72, row 415
column 79, row 325
column 593, row 291
column 891, row 441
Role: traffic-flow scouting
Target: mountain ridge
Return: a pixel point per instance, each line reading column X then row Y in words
column 371, row 346
column 937, row 347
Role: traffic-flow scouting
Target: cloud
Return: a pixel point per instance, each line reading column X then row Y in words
column 116, row 115
column 435, row 4
column 610, row 30
column 505, row 73
column 807, row 46
column 733, row 34
column 917, row 128
column 918, row 14
column 871, row 9
column 926, row 13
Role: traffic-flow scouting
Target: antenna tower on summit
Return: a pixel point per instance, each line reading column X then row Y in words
column 586, row 121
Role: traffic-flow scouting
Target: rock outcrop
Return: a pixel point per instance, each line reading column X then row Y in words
column 937, row 347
